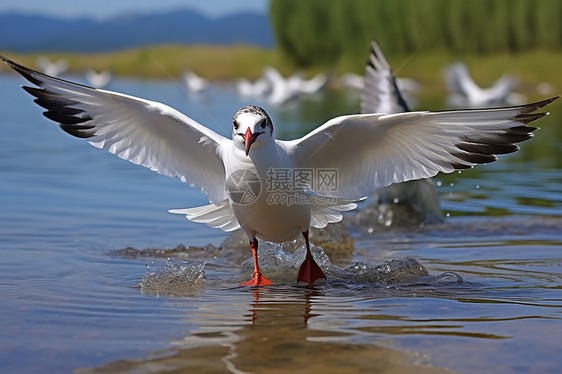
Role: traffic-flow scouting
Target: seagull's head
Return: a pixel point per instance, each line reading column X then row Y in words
column 251, row 127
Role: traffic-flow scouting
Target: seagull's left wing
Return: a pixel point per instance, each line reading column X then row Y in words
column 144, row 132
column 352, row 155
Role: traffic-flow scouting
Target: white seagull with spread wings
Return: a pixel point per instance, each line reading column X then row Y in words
column 366, row 151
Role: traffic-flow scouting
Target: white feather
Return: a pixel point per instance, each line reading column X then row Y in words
column 216, row 216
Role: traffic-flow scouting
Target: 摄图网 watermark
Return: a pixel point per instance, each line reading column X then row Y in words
column 287, row 186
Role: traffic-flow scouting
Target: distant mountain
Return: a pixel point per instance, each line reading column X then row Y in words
column 25, row 33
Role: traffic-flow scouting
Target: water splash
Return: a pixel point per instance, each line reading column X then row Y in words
column 280, row 264
column 389, row 272
column 281, row 267
column 174, row 280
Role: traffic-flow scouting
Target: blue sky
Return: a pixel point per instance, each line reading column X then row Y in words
column 105, row 9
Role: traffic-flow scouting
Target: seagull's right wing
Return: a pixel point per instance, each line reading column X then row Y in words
column 380, row 91
column 144, row 132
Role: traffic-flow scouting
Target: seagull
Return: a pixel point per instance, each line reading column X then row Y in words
column 195, row 83
column 98, row 80
column 51, row 68
column 281, row 91
column 352, row 80
column 310, row 86
column 256, row 89
column 382, row 93
column 285, row 89
column 357, row 82
column 465, row 92
column 303, row 182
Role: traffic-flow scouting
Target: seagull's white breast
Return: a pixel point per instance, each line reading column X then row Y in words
column 263, row 200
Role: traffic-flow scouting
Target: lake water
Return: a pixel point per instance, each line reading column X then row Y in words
column 492, row 302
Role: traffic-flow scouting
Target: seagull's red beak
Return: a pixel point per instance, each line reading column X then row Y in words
column 249, row 139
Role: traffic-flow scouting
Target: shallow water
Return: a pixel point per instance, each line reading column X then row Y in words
column 492, row 301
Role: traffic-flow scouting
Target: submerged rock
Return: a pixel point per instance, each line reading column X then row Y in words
column 181, row 252
column 403, row 205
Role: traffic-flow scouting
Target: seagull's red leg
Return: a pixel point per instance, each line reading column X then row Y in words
column 258, row 279
column 309, row 271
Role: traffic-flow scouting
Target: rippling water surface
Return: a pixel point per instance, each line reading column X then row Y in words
column 479, row 293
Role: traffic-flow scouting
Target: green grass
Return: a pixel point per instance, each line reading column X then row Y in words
column 224, row 63
column 162, row 61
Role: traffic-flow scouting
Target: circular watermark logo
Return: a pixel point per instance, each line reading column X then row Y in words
column 243, row 186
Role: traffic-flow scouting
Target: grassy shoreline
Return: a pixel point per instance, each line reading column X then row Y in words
column 227, row 63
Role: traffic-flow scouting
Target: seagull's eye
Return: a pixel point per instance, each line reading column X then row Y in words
column 235, row 124
column 263, row 123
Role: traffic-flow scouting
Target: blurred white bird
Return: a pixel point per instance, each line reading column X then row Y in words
column 281, row 91
column 98, row 80
column 352, row 80
column 276, row 189
column 285, row 89
column 53, row 69
column 310, row 86
column 408, row 87
column 194, row 83
column 466, row 93
column 257, row 89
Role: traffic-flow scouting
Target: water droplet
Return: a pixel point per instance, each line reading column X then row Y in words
column 448, row 215
column 370, row 230
column 477, row 186
column 396, row 200
column 460, row 171
column 451, row 184
column 439, row 183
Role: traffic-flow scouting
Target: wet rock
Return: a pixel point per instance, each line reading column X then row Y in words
column 180, row 252
column 334, row 238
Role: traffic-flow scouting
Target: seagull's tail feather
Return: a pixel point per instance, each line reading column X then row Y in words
column 217, row 216
column 324, row 210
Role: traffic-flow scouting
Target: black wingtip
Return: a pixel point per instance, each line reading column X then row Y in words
column 26, row 72
column 542, row 103
column 35, row 76
column 528, row 108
